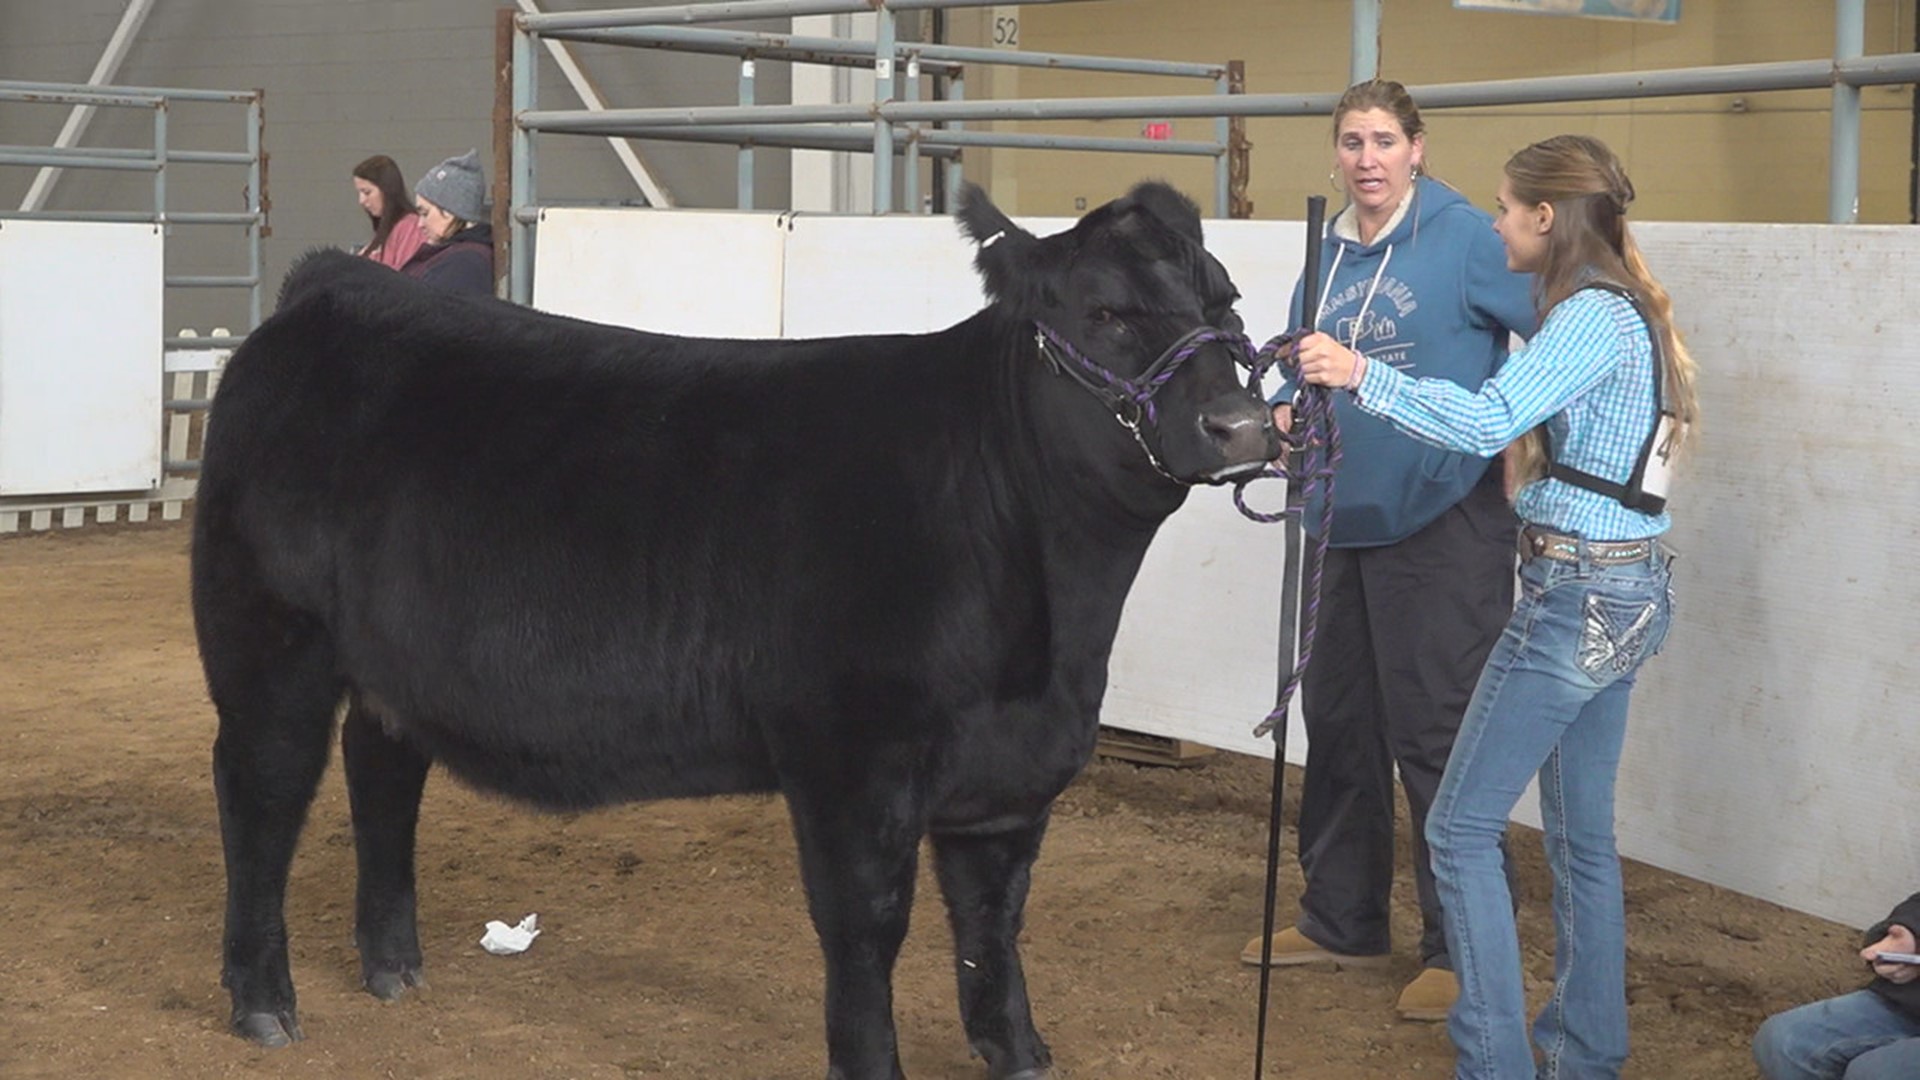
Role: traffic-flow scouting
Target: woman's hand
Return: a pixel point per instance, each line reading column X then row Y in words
column 1898, row 939
column 1325, row 362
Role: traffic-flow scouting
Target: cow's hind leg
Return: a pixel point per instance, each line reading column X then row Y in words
column 384, row 779
column 859, row 847
column 274, row 686
column 984, row 878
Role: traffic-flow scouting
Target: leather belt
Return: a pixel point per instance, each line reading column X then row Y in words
column 1540, row 544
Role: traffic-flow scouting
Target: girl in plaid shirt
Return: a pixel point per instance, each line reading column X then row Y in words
column 1595, row 603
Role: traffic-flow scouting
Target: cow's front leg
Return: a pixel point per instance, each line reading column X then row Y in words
column 984, row 877
column 859, row 837
column 384, row 779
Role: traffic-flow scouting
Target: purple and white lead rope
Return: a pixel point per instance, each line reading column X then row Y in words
column 1319, row 443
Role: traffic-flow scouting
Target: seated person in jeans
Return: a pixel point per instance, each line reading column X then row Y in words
column 1870, row 1034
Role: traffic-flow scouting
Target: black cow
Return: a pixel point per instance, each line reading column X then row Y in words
column 581, row 565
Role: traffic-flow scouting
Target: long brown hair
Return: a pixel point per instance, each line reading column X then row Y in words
column 380, row 171
column 1589, row 191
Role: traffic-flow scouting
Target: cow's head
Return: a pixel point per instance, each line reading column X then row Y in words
column 1129, row 304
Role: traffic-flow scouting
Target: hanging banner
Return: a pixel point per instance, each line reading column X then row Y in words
column 1665, row 11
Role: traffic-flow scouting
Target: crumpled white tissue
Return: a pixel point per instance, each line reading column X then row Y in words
column 503, row 940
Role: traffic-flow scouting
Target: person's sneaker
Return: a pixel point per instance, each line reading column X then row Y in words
column 1291, row 948
column 1429, row 995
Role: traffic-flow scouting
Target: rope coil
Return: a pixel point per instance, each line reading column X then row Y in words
column 1314, row 443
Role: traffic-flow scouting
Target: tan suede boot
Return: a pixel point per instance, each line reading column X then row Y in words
column 1292, row 948
column 1429, row 995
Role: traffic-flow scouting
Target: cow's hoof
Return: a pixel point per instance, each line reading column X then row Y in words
column 393, row 985
column 1029, row 1074
column 270, row 1030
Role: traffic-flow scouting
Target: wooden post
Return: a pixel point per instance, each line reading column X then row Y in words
column 502, row 148
column 1238, row 148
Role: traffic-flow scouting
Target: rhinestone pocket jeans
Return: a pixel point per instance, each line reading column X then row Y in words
column 1552, row 701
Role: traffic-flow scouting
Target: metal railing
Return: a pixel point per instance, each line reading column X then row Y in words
column 155, row 159
column 898, row 66
column 899, row 122
column 181, row 353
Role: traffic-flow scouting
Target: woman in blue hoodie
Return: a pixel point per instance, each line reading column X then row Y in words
column 1419, row 574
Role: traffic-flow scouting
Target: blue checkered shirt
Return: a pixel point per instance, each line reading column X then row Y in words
column 1588, row 374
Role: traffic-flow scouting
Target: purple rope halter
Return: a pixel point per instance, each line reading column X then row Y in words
column 1316, row 438
column 1117, row 390
column 1120, row 392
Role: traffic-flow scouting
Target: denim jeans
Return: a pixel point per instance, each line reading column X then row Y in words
column 1858, row 1036
column 1553, row 701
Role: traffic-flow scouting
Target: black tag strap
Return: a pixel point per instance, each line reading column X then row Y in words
column 1627, row 497
column 1629, row 494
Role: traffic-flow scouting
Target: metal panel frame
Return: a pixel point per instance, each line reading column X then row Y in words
column 913, row 126
column 157, row 159
column 850, row 128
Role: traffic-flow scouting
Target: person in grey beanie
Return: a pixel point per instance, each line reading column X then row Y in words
column 452, row 200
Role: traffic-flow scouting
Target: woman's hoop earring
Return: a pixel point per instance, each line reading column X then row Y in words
column 1333, row 179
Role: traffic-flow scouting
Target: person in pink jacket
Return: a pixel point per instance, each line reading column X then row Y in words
column 397, row 233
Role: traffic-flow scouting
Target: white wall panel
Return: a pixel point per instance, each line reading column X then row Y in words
column 80, row 341
column 1771, row 745
column 880, row 275
column 695, row 272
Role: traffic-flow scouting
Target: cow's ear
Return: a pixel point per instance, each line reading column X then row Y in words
column 1168, row 206
column 1005, row 249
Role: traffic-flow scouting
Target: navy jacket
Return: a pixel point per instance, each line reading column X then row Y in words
column 464, row 264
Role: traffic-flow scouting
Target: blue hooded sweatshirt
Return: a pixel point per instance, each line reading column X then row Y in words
column 1433, row 297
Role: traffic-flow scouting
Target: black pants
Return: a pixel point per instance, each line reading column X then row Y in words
column 1403, row 632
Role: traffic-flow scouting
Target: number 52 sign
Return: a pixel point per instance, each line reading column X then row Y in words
column 1004, row 29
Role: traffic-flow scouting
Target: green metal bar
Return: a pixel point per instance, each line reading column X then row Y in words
column 83, row 94
column 1843, row 158
column 521, row 185
column 884, row 93
column 1363, row 61
column 744, row 174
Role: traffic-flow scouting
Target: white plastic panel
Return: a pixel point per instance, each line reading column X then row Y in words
column 885, row 275
column 80, row 343
column 692, row 272
column 1770, row 744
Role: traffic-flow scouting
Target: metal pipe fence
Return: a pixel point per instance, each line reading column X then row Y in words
column 901, row 122
column 157, row 159
column 898, row 68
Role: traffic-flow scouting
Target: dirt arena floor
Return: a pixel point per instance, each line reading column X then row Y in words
column 676, row 942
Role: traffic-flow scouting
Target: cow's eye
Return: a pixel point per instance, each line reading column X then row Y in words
column 1105, row 319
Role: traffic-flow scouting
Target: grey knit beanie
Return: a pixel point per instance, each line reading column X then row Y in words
column 457, row 186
